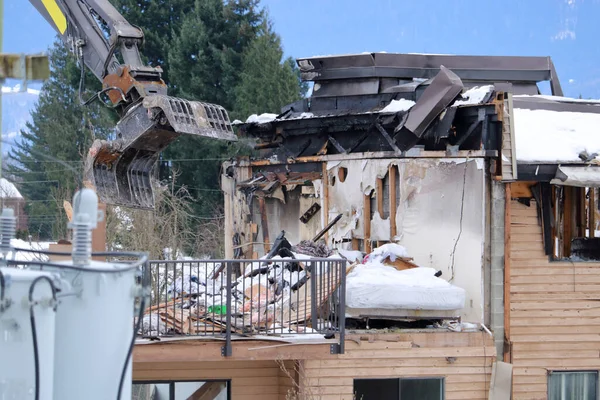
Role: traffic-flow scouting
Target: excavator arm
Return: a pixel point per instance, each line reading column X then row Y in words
column 121, row 170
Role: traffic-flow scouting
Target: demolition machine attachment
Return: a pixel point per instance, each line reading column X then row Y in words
column 101, row 39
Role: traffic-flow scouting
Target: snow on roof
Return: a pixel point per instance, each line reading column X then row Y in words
column 558, row 98
column 8, row 190
column 475, row 95
column 261, row 119
column 555, row 136
column 397, row 105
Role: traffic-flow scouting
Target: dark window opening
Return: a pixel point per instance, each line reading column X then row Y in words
column 385, row 212
column 399, row 389
column 180, row 390
column 573, row 230
column 373, row 204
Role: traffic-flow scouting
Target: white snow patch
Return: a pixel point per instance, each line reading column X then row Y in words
column 555, row 136
column 397, row 106
column 351, row 255
column 374, row 285
column 8, row 190
column 261, row 119
column 558, row 98
column 391, row 250
column 236, row 122
column 475, row 95
column 27, row 256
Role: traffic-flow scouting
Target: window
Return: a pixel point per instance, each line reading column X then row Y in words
column 399, row 389
column 574, row 225
column 180, row 390
column 573, row 385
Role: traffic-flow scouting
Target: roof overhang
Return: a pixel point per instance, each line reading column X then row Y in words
column 588, row 176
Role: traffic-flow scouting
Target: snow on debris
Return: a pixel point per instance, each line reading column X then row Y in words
column 397, row 106
column 8, row 190
column 376, row 285
column 555, row 136
column 475, row 95
column 261, row 119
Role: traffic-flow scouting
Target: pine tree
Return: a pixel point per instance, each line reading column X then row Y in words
column 267, row 82
column 160, row 20
column 47, row 163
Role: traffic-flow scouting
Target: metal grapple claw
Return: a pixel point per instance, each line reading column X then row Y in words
column 122, row 170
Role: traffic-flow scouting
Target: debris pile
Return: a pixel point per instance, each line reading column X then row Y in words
column 280, row 292
column 274, row 296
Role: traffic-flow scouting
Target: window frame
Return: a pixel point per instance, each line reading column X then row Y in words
column 587, row 371
column 172, row 382
column 441, row 379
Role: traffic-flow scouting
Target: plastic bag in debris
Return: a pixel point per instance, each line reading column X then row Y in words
column 192, row 279
column 188, row 284
column 152, row 325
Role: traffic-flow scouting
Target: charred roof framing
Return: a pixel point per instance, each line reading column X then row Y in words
column 346, row 115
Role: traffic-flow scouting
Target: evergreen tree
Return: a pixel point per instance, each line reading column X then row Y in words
column 267, row 83
column 47, row 163
column 160, row 20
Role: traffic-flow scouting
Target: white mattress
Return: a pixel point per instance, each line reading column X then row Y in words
column 374, row 285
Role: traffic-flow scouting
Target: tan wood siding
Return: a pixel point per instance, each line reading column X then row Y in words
column 250, row 380
column 463, row 359
column 554, row 309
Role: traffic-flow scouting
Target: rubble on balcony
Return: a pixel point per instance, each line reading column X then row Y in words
column 275, row 294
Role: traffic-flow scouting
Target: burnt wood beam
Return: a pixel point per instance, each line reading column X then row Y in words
column 387, row 137
column 337, row 145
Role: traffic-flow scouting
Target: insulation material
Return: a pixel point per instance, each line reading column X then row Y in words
column 375, row 285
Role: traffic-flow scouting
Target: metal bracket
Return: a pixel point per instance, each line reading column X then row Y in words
column 226, row 350
column 335, row 348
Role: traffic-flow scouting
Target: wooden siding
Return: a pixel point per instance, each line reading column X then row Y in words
column 554, row 309
column 250, row 380
column 463, row 359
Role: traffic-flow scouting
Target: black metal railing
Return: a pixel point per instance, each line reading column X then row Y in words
column 246, row 297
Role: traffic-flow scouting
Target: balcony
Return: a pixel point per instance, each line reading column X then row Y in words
column 226, row 299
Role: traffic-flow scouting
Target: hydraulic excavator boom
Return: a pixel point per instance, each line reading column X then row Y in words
column 121, row 170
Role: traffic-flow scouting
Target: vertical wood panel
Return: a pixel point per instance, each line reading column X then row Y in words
column 325, row 177
column 554, row 322
column 392, row 176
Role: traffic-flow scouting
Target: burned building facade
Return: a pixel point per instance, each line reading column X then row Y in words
column 423, row 151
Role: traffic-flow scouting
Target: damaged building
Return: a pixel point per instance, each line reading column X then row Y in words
column 465, row 205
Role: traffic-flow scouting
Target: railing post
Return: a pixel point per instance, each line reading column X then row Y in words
column 342, row 311
column 226, row 350
column 313, row 295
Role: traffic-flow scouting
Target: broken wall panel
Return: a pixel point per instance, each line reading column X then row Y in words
column 439, row 217
column 438, row 214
